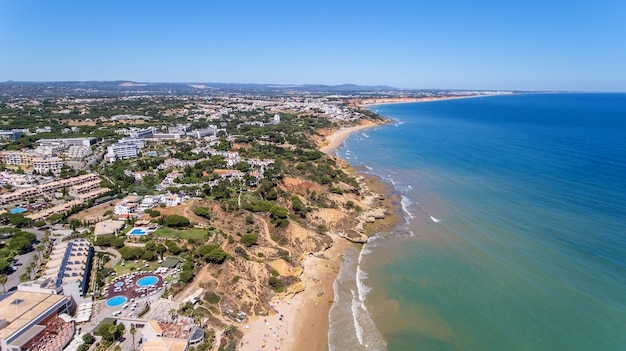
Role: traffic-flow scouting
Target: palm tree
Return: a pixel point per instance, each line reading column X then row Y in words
column 3, row 280
column 113, row 332
column 133, row 330
column 33, row 268
column 39, row 249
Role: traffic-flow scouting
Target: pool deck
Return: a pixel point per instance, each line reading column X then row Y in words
column 129, row 287
column 143, row 229
column 117, row 297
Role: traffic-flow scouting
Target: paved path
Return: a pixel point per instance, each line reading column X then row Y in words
column 116, row 255
column 23, row 261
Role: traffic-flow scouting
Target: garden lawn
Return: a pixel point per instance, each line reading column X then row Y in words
column 185, row 234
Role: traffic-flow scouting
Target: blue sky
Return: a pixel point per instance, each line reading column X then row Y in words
column 528, row 45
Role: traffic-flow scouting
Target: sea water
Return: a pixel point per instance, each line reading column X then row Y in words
column 514, row 231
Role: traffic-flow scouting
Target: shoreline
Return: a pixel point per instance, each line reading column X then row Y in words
column 406, row 100
column 301, row 322
column 336, row 139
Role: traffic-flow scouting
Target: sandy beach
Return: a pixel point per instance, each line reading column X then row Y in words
column 403, row 100
column 335, row 140
column 300, row 322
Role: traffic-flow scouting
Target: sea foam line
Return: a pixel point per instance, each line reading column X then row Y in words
column 405, row 202
column 355, row 312
column 361, row 275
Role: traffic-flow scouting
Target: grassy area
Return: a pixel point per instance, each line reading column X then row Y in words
column 128, row 265
column 185, row 234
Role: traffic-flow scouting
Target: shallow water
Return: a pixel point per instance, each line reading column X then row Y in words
column 514, row 236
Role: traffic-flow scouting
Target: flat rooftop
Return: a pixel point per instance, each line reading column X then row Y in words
column 22, row 307
column 165, row 344
column 108, row 227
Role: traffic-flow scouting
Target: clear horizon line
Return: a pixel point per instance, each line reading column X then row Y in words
column 287, row 85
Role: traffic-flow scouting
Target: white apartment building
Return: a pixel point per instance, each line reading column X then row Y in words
column 141, row 133
column 122, row 151
column 45, row 164
column 16, row 158
column 148, row 202
column 50, row 149
column 76, row 152
column 68, row 141
column 140, row 142
column 200, row 133
column 126, row 207
column 10, row 135
column 167, row 136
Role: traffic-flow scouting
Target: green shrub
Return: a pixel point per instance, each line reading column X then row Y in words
column 202, row 212
column 212, row 253
column 88, row 339
column 276, row 284
column 176, row 221
column 212, row 297
column 249, row 239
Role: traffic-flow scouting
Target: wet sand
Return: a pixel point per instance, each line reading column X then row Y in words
column 301, row 322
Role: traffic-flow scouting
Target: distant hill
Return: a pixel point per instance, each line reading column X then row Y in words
column 116, row 88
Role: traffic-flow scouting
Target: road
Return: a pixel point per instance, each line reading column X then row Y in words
column 22, row 261
column 116, row 255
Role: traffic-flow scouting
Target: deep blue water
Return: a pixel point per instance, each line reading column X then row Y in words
column 515, row 233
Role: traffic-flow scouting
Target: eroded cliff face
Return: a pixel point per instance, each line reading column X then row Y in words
column 244, row 281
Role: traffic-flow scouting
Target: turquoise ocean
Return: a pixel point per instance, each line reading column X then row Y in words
column 514, row 231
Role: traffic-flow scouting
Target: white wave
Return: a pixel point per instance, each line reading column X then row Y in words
column 366, row 332
column 361, row 275
column 364, row 251
column 409, row 187
column 391, row 181
column 368, row 167
column 355, row 312
column 436, row 220
column 360, row 333
column 362, row 289
column 405, row 202
column 365, row 135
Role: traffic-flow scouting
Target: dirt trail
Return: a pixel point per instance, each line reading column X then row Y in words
column 201, row 277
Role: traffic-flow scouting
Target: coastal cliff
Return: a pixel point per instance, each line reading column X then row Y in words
column 297, row 259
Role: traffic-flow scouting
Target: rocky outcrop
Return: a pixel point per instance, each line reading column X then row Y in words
column 353, row 236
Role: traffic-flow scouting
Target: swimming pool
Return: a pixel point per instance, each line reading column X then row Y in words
column 17, row 210
column 116, row 301
column 137, row 231
column 148, row 280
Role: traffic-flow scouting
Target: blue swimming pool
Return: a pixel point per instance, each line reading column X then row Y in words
column 138, row 231
column 147, row 281
column 17, row 210
column 116, row 301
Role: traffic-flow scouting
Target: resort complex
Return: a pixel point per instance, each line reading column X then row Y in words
column 177, row 225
